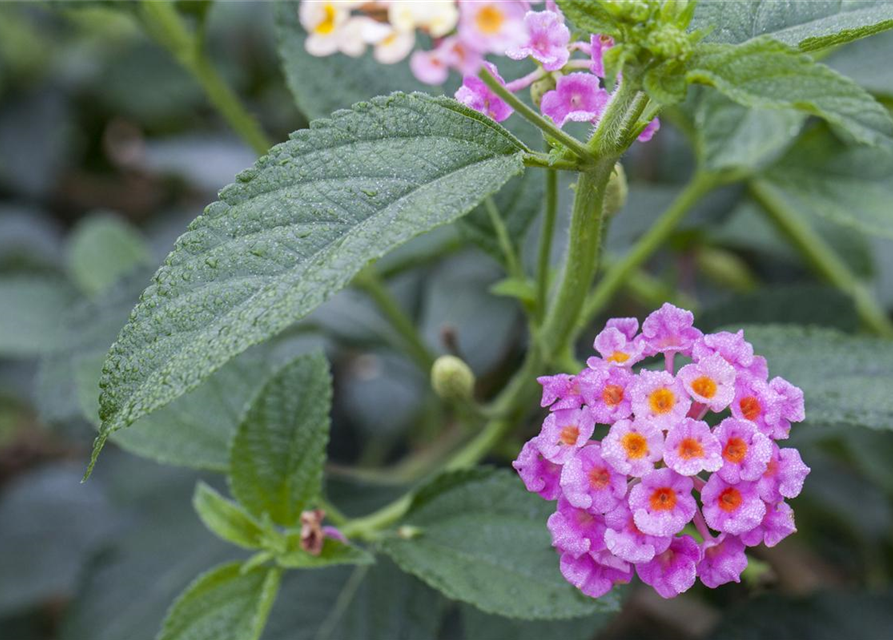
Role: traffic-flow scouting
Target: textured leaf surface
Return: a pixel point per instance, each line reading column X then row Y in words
column 482, row 626
column 766, row 74
column 867, row 62
column 846, row 380
column 320, row 85
column 296, row 228
column 587, row 15
column 333, row 552
column 223, row 604
column 279, row 448
column 847, row 185
column 196, row 429
column 808, row 25
column 734, row 137
column 226, row 519
column 484, row 542
column 377, row 602
column 30, row 308
column 102, row 249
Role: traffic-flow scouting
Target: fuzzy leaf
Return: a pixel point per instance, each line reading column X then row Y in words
column 867, row 63
column 333, row 552
column 226, row 519
column 279, row 448
column 765, row 74
column 846, row 380
column 588, row 15
column 807, row 25
column 293, row 230
column 847, row 185
column 102, row 250
column 484, row 541
column 223, row 604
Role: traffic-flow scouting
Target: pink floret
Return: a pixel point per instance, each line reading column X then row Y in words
column 723, row 561
column 539, row 475
column 673, row 571
column 589, row 482
column 576, row 531
column 729, row 508
column 691, row 448
column 662, row 504
column 594, row 577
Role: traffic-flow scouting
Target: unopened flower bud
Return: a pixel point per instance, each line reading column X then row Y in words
column 539, row 88
column 616, row 192
column 452, row 379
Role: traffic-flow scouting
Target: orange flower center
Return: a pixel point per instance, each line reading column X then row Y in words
column 662, row 401
column 750, row 408
column 636, row 445
column 489, row 20
column 663, row 499
column 690, row 448
column 599, row 478
column 612, row 394
column 569, row 435
column 730, row 499
column 618, row 356
column 735, row 450
column 704, row 387
column 327, row 25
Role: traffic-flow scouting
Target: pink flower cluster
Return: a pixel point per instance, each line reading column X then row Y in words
column 627, row 502
column 463, row 33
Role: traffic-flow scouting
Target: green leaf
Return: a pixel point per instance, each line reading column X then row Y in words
column 589, row 16
column 279, row 449
column 484, row 541
column 377, row 602
column 295, row 229
column 333, row 552
column 196, row 429
column 868, row 63
column 846, row 380
column 226, row 519
column 223, row 604
column 30, row 308
column 102, row 249
column 807, row 25
column 847, row 185
column 731, row 137
column 524, row 290
column 482, row 626
column 766, row 74
column 320, row 85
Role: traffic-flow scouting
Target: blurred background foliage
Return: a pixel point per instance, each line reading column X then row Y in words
column 109, row 148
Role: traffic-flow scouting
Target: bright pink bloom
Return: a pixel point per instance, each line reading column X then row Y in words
column 617, row 348
column 560, row 392
column 662, row 503
column 756, row 401
column 547, row 40
column 673, row 571
column 624, row 540
column 627, row 326
column 731, row 346
column 710, row 381
column 745, row 450
column 777, row 524
column 539, row 475
column 564, row 432
column 632, row 448
column 650, row 129
column 431, row 67
column 732, row 508
column 691, row 448
column 660, row 398
column 576, row 531
column 591, row 576
column 599, row 44
column 607, row 394
column 577, row 97
column 334, row 533
column 478, row 96
column 589, row 482
column 492, row 27
column 784, row 475
column 790, row 407
column 669, row 330
column 723, row 561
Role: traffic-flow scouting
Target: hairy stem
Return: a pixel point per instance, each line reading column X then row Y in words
column 513, row 267
column 618, row 274
column 822, row 257
column 166, row 26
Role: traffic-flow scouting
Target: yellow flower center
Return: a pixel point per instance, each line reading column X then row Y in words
column 569, row 435
column 663, row 499
column 690, row 448
column 612, row 394
column 619, row 357
column 489, row 20
column 730, row 499
column 635, row 445
column 704, row 387
column 327, row 24
column 735, row 450
column 750, row 408
column 662, row 401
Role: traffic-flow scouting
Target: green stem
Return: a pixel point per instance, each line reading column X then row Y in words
column 165, row 25
column 513, row 267
column 369, row 282
column 534, row 118
column 615, row 277
column 822, row 257
column 545, row 249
